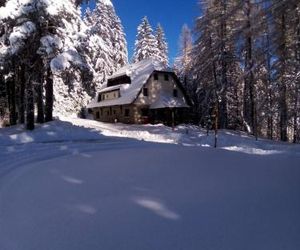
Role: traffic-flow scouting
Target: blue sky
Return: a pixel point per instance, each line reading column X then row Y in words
column 172, row 14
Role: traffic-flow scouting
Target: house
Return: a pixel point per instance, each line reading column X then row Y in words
column 142, row 93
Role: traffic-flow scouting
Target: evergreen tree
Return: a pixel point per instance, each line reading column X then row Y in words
column 106, row 43
column 120, row 52
column 162, row 46
column 3, row 98
column 41, row 39
column 146, row 43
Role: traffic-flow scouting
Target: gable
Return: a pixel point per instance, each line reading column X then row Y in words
column 163, row 89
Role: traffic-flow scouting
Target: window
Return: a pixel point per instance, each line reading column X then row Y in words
column 145, row 112
column 101, row 111
column 119, row 80
column 145, row 91
column 155, row 77
column 114, row 111
column 127, row 112
column 166, row 77
column 97, row 115
column 99, row 98
column 175, row 92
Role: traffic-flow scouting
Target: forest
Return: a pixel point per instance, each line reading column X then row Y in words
column 240, row 63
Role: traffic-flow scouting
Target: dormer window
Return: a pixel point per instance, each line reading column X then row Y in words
column 118, row 81
column 145, row 91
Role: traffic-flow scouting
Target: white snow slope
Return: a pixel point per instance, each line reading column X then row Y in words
column 83, row 185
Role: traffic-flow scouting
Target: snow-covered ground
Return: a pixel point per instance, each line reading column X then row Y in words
column 189, row 136
column 80, row 184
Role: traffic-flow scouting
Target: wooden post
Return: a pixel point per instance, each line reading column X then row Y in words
column 173, row 119
column 255, row 122
column 216, row 124
column 49, row 96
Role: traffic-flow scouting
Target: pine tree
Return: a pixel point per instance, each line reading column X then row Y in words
column 145, row 44
column 106, row 44
column 43, row 39
column 3, row 99
column 162, row 46
column 120, row 53
column 62, row 53
column 18, row 49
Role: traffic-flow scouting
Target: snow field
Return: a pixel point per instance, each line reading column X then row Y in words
column 83, row 185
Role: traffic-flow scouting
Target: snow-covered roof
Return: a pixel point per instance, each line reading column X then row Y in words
column 139, row 74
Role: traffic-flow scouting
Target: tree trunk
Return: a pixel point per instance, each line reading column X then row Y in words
column 283, row 88
column 270, row 120
column 222, row 110
column 255, row 124
column 283, row 114
column 3, row 97
column 22, row 95
column 249, row 103
column 29, row 104
column 215, row 97
column 216, row 124
column 295, row 127
column 49, row 96
column 39, row 100
column 297, row 87
column 12, row 101
column 270, row 115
